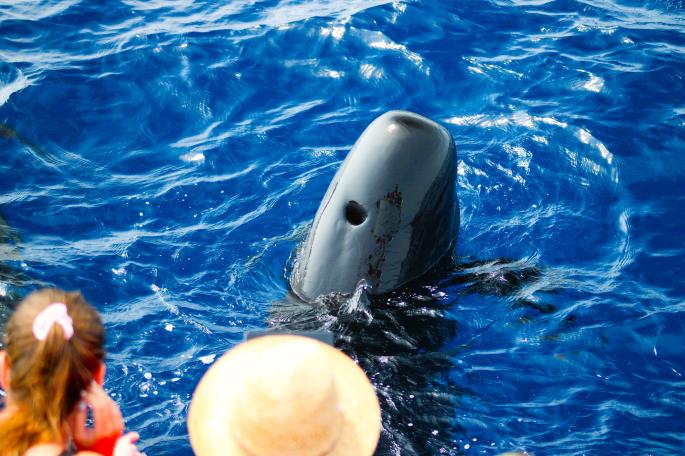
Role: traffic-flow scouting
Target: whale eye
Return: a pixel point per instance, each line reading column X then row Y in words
column 355, row 213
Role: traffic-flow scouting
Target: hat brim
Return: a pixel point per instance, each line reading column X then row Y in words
column 210, row 408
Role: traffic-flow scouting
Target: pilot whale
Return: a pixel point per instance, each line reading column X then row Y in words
column 390, row 213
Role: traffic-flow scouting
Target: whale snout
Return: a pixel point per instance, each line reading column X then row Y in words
column 401, row 119
column 415, row 132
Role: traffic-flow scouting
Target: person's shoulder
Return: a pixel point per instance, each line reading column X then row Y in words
column 45, row 449
column 52, row 449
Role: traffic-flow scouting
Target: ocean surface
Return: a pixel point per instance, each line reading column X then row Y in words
column 167, row 157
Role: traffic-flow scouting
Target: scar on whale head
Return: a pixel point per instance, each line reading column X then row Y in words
column 389, row 215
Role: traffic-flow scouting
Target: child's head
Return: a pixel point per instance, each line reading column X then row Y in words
column 54, row 349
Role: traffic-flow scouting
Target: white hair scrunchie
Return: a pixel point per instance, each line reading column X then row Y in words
column 55, row 313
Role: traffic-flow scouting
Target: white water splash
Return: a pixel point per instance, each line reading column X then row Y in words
column 594, row 84
column 193, row 157
column 209, row 359
column 359, row 301
column 20, row 83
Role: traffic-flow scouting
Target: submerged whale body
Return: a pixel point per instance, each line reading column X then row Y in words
column 389, row 215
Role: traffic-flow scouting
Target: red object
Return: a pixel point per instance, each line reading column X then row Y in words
column 104, row 446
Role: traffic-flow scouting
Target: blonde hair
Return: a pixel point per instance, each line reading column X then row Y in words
column 47, row 376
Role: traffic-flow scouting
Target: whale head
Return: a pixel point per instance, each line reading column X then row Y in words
column 390, row 213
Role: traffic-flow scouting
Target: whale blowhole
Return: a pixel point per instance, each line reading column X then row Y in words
column 355, row 213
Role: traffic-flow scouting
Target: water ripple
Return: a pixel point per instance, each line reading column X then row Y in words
column 167, row 157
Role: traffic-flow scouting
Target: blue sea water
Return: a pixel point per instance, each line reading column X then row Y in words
column 166, row 157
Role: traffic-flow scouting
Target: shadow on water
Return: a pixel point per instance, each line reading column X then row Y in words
column 501, row 277
column 7, row 132
column 13, row 282
column 403, row 342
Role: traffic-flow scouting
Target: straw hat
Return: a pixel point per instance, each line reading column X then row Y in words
column 284, row 395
